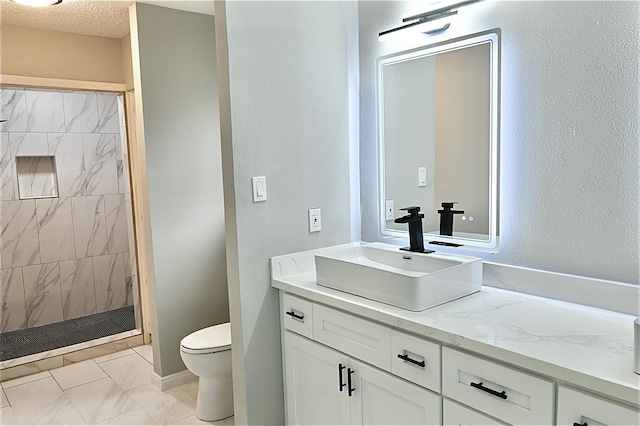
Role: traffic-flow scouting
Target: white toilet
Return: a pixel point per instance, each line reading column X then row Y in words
column 207, row 354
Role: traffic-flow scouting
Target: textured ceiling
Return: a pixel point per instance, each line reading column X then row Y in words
column 89, row 17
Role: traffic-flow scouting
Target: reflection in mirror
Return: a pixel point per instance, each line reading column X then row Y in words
column 438, row 114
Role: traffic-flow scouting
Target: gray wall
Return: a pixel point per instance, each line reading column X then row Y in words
column 288, row 112
column 182, row 137
column 569, row 155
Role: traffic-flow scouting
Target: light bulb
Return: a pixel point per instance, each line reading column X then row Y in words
column 37, row 3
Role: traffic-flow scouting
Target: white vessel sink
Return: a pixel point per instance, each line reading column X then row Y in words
column 384, row 273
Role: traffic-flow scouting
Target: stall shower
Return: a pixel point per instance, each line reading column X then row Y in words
column 67, row 258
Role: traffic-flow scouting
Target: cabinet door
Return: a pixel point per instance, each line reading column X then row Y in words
column 382, row 399
column 312, row 383
column 456, row 414
column 579, row 408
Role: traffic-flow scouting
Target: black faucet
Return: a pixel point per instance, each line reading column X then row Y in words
column 414, row 219
column 446, row 218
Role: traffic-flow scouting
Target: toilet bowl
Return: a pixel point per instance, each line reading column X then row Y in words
column 207, row 354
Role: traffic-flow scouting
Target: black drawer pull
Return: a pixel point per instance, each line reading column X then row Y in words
column 412, row 361
column 293, row 315
column 580, row 424
column 502, row 394
column 340, row 368
column 349, row 373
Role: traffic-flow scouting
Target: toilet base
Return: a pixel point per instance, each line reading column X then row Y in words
column 215, row 399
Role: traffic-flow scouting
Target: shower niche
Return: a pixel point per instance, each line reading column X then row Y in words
column 36, row 177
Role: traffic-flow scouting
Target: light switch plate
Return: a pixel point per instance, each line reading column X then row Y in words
column 422, row 176
column 315, row 220
column 259, row 184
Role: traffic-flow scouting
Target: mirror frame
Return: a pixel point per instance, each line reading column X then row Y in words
column 493, row 38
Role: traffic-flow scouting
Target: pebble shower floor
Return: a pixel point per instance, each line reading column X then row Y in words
column 19, row 343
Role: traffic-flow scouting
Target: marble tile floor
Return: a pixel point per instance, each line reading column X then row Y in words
column 113, row 389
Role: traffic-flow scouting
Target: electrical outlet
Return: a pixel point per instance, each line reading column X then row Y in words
column 315, row 220
column 388, row 209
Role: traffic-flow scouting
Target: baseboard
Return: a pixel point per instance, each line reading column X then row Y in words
column 172, row 380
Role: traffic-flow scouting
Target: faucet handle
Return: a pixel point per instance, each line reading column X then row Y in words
column 413, row 210
column 449, row 204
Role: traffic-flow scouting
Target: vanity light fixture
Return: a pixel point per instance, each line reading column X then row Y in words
column 37, row 3
column 428, row 22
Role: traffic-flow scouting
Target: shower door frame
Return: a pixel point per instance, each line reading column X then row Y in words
column 135, row 160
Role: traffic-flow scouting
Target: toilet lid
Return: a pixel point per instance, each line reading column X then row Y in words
column 211, row 339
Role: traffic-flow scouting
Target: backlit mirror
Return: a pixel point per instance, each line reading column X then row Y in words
column 438, row 138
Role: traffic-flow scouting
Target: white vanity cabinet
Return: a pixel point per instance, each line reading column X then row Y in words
column 577, row 408
column 342, row 369
column 327, row 387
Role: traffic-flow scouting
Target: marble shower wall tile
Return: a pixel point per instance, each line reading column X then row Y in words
column 111, row 291
column 14, row 312
column 6, row 169
column 78, row 288
column 68, row 150
column 100, row 164
column 55, row 229
column 45, row 111
column 116, row 218
column 19, row 238
column 28, row 144
column 14, row 110
column 89, row 226
column 108, row 113
column 42, row 291
column 81, row 112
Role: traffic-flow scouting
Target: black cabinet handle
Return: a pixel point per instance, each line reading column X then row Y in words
column 349, row 373
column 580, row 424
column 412, row 361
column 293, row 315
column 502, row 394
column 340, row 368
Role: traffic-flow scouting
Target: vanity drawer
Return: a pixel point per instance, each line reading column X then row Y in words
column 416, row 360
column 297, row 315
column 499, row 391
column 359, row 338
column 575, row 407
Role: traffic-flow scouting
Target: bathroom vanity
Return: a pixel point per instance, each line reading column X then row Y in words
column 492, row 357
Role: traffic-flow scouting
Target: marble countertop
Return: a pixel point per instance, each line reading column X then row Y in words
column 584, row 346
